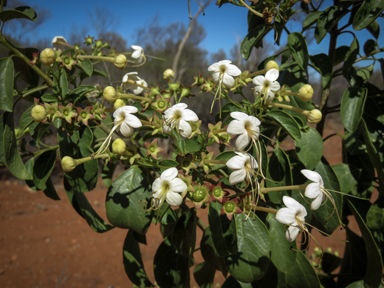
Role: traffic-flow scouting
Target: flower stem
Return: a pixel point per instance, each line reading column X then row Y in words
column 110, row 59
column 132, row 96
column 250, row 9
column 33, row 90
column 258, row 208
column 288, row 107
column 65, row 44
column 139, row 85
column 292, row 187
column 255, row 74
column 207, row 161
column 288, row 94
column 86, row 159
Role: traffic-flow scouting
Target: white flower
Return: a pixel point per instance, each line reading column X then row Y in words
column 243, row 166
column 267, row 85
column 223, row 72
column 58, row 39
column 138, row 54
column 168, row 187
column 314, row 190
column 292, row 215
column 177, row 116
column 125, row 121
column 132, row 76
column 246, row 126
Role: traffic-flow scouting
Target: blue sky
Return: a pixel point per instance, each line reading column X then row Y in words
column 224, row 25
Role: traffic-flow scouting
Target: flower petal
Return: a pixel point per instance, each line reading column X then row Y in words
column 317, row 202
column 156, row 185
column 125, row 129
column 294, row 205
column 274, row 86
column 189, row 115
column 228, row 80
column 313, row 190
column 242, row 141
column 236, row 162
column 174, row 199
column 237, row 176
column 232, row 70
column 286, row 216
column 272, row 74
column 178, row 185
column 132, row 120
column 215, row 67
column 312, row 175
column 169, row 174
column 258, row 80
column 239, row 116
column 181, row 106
column 185, row 128
column 236, row 127
column 292, row 233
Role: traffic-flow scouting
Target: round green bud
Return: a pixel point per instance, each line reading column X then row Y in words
column 110, row 94
column 47, row 56
column 199, row 195
column 118, row 147
column 120, row 61
column 118, row 103
column 229, row 207
column 168, row 74
column 272, row 65
column 68, row 163
column 314, row 116
column 305, row 93
column 38, row 113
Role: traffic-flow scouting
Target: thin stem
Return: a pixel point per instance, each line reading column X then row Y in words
column 292, row 187
column 255, row 74
column 33, row 90
column 110, row 59
column 132, row 96
column 288, row 94
column 288, row 107
column 206, row 161
column 370, row 54
column 250, row 9
column 258, row 208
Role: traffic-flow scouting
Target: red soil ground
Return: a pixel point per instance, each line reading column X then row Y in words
column 45, row 243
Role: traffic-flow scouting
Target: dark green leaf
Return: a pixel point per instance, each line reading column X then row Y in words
column 374, row 29
column 252, row 39
column 367, row 13
column 9, row 152
column 122, row 204
column 204, row 275
column 330, row 262
column 225, row 156
column 298, row 46
column 287, row 122
column 310, row 148
column 311, row 19
column 327, row 20
column 63, row 83
column 210, row 254
column 323, row 65
column 357, row 284
column 22, row 12
column 340, row 53
column 7, row 73
column 133, row 262
column 171, row 268
column 374, row 266
column 43, row 168
column 223, row 230
column 86, row 66
column 184, row 233
column 345, row 174
column 50, row 190
column 302, row 274
column 26, row 118
column 252, row 260
column 99, row 73
column 350, row 57
column 49, row 98
column 107, row 172
column 352, row 107
column 375, row 215
column 27, row 74
column 292, row 75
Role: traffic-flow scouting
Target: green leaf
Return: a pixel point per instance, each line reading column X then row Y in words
column 7, row 73
column 252, row 260
column 357, row 284
column 99, row 73
column 345, row 174
column 210, row 254
column 81, row 204
column 323, row 65
column 330, row 262
column 280, row 173
column 253, row 37
column 9, row 152
column 367, row 13
column 340, row 53
column 350, row 57
column 26, row 118
column 50, row 190
column 27, row 74
column 287, row 122
column 86, row 66
column 226, row 110
column 374, row 29
column 327, row 20
column 373, row 156
column 107, row 172
column 352, row 107
column 375, row 215
column 49, row 98
column 311, row 19
column 223, row 230
column 43, row 167
column 292, row 75
column 374, row 266
column 133, row 262
column 282, row 255
column 122, row 204
column 63, row 83
column 309, row 149
column 298, row 46
column 171, row 268
column 302, row 274
column 22, row 12
column 204, row 275
column 184, row 233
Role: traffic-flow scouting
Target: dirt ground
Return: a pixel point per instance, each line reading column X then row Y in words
column 45, row 243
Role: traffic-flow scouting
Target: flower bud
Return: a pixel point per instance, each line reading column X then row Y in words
column 272, row 65
column 118, row 146
column 47, row 56
column 98, row 43
column 168, row 74
column 68, row 163
column 38, row 113
column 120, row 61
column 305, row 93
column 314, row 116
column 109, row 94
column 118, row 103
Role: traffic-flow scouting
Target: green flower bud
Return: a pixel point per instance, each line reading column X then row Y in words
column 271, row 65
column 119, row 147
column 314, row 116
column 68, row 164
column 168, row 74
column 110, row 94
column 305, row 93
column 38, row 113
column 47, row 56
column 120, row 61
column 118, row 103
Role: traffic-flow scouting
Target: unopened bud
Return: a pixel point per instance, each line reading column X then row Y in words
column 98, row 43
column 305, row 93
column 47, row 56
column 120, row 61
column 314, row 116
column 168, row 74
column 272, row 65
column 118, row 103
column 38, row 113
column 118, row 146
column 109, row 94
column 68, row 163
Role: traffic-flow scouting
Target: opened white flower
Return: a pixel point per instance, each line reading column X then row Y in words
column 125, row 121
column 294, row 216
column 243, row 166
column 223, row 72
column 314, row 190
column 266, row 86
column 168, row 187
column 246, row 126
column 127, row 82
column 138, row 54
column 177, row 116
